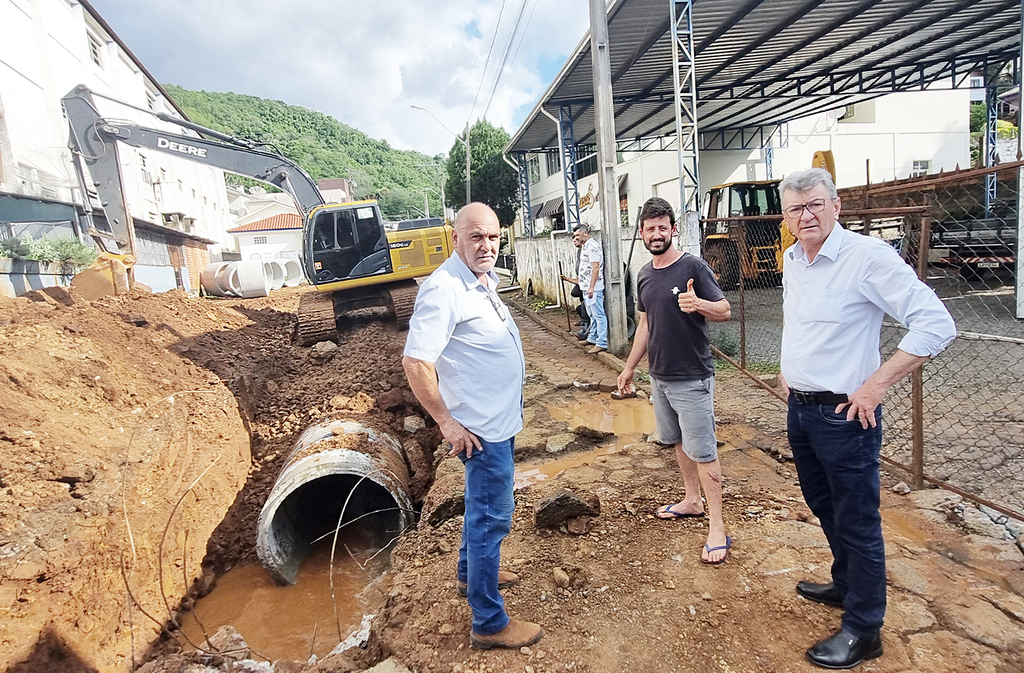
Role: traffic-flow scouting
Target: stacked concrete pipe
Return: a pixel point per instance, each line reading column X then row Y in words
column 338, row 468
column 292, row 273
column 251, row 278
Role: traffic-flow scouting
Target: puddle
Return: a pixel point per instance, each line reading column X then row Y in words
column 536, row 473
column 623, row 417
column 278, row 621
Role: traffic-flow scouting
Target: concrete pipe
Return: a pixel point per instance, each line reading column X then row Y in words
column 252, row 279
column 208, row 278
column 332, row 461
column 228, row 280
column 275, row 274
column 292, row 273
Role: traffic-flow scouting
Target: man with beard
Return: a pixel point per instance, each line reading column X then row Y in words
column 465, row 364
column 676, row 295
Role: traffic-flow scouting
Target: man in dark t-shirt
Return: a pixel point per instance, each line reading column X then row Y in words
column 676, row 295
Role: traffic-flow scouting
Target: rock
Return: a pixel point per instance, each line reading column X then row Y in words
column 985, row 550
column 336, row 663
column 976, row 521
column 584, row 385
column 561, row 578
column 288, row 666
column 557, row 507
column 579, row 525
column 396, row 398
column 931, row 652
column 984, row 624
column 608, row 385
column 1016, row 528
column 996, row 516
column 913, row 575
column 669, row 584
column 340, row 401
column 591, row 433
column 935, row 498
column 249, row 666
column 39, row 296
column 445, row 500
column 229, row 643
column 446, row 629
column 901, row 488
column 137, row 320
column 908, row 614
column 413, row 424
column 389, row 665
column 770, row 380
column 59, row 294
column 322, row 352
column 564, row 442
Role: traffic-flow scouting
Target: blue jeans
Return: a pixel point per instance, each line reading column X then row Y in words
column 837, row 461
column 598, row 334
column 489, row 505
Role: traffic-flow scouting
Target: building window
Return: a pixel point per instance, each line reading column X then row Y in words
column 533, row 166
column 552, row 163
column 921, row 167
column 587, row 165
column 181, row 185
column 150, row 99
column 259, row 240
column 145, row 172
column 95, row 49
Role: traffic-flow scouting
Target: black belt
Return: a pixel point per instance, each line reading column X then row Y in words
column 823, row 397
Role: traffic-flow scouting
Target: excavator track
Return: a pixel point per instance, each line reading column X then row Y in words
column 316, row 319
column 403, row 300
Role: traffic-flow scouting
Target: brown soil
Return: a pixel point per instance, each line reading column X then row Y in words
column 135, row 398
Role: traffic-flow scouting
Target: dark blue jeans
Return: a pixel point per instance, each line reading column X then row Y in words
column 837, row 461
column 489, row 505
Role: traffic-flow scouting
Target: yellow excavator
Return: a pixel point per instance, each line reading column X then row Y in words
column 348, row 255
column 742, row 229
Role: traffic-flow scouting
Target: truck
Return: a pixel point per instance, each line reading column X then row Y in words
column 978, row 247
column 348, row 255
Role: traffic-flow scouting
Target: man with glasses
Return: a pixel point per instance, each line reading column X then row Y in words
column 836, row 288
column 465, row 364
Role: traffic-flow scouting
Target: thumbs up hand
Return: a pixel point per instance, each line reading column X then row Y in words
column 688, row 301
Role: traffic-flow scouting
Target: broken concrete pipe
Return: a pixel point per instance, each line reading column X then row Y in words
column 338, row 468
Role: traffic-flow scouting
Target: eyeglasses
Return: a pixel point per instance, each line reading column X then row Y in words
column 814, row 207
column 497, row 304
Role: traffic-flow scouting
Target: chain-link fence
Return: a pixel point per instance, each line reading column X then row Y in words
column 961, row 421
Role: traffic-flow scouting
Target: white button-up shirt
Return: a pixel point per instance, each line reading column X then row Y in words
column 834, row 307
column 591, row 251
column 461, row 326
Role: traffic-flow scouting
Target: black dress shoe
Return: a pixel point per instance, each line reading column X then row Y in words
column 844, row 650
column 821, row 593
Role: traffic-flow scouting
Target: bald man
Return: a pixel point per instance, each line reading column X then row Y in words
column 465, row 364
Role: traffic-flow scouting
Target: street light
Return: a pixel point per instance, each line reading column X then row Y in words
column 426, row 200
column 464, row 142
column 440, row 168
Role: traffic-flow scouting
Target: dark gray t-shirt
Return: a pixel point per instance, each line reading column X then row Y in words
column 678, row 345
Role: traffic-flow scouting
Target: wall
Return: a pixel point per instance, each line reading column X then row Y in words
column 283, row 244
column 19, row 276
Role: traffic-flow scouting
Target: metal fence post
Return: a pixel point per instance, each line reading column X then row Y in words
column 917, row 381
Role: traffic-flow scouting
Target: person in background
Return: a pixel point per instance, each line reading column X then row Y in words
column 464, row 360
column 591, row 282
column 676, row 295
column 836, row 288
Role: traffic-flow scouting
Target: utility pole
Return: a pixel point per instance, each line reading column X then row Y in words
column 615, row 291
column 426, row 202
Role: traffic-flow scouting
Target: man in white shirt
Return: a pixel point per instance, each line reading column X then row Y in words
column 591, row 282
column 837, row 286
column 465, row 364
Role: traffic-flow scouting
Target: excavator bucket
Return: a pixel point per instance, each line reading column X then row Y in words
column 108, row 275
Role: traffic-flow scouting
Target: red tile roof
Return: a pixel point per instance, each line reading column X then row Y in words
column 275, row 223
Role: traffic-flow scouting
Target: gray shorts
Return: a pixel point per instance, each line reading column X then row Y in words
column 684, row 411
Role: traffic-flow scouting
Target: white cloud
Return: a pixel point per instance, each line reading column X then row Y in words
column 364, row 62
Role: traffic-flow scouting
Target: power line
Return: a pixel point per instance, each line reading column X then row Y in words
column 504, row 57
column 486, row 61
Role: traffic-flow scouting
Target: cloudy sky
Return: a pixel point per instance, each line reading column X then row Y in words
column 364, row 62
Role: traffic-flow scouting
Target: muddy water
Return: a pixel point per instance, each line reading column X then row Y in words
column 623, row 417
column 278, row 622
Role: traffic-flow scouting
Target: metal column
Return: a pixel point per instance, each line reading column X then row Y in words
column 1020, row 175
column 769, row 158
column 567, row 148
column 685, row 96
column 991, row 156
column 524, row 192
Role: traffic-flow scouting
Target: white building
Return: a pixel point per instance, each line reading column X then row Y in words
column 47, row 47
column 276, row 237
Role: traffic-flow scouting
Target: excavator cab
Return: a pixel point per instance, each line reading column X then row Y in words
column 347, row 242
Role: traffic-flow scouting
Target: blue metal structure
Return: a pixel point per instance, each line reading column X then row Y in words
column 568, row 148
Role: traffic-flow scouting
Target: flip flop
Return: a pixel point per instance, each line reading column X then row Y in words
column 672, row 514
column 726, row 547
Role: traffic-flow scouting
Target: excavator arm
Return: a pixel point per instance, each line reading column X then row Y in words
column 93, row 140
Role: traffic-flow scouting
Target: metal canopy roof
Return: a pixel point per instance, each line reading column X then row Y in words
column 764, row 62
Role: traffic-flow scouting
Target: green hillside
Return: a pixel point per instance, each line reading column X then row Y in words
column 323, row 146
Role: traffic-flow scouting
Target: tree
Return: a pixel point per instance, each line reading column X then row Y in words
column 492, row 180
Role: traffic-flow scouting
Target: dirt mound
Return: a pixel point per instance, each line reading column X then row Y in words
column 121, row 405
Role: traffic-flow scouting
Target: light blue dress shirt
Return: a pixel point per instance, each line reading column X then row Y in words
column 461, row 326
column 834, row 307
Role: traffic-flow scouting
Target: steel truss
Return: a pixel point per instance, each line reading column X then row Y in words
column 567, row 145
column 524, row 192
column 684, row 85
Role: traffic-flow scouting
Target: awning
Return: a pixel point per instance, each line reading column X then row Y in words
column 551, row 207
column 535, row 210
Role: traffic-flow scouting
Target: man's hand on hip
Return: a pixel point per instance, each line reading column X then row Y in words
column 862, row 405
column 460, row 438
column 590, row 294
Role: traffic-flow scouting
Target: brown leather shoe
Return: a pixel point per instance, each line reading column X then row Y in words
column 517, row 634
column 506, row 579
